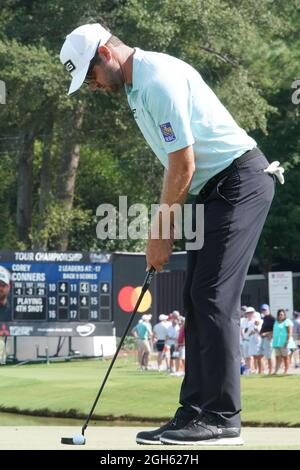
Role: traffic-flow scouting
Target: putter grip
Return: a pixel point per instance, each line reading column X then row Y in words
column 148, row 279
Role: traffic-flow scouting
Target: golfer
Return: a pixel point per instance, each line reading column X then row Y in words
column 207, row 154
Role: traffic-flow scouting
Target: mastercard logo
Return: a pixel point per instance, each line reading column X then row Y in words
column 128, row 297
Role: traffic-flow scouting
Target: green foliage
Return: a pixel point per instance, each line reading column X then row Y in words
column 129, row 343
column 8, row 201
column 56, row 218
column 247, row 51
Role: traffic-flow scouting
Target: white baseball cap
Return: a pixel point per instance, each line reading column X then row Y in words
column 163, row 317
column 250, row 310
column 146, row 317
column 78, row 50
column 4, row 275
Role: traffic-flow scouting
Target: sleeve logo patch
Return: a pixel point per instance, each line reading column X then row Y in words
column 167, row 132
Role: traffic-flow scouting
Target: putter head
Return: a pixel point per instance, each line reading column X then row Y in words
column 78, row 440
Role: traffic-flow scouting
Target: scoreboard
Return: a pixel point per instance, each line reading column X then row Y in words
column 59, row 287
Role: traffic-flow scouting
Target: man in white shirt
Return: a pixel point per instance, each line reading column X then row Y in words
column 160, row 332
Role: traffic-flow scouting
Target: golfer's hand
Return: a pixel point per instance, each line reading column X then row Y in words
column 158, row 253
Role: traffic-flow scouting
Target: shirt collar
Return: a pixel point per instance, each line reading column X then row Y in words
column 136, row 73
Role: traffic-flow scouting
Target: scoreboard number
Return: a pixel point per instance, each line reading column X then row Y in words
column 84, row 288
column 54, row 291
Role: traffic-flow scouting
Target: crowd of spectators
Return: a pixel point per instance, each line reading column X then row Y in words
column 268, row 344
column 165, row 340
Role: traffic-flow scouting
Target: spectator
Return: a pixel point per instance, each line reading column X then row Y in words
column 247, row 323
column 172, row 335
column 173, row 315
column 266, row 333
column 243, row 322
column 160, row 331
column 142, row 332
column 176, row 314
column 296, row 335
column 180, row 348
column 255, row 339
column 282, row 333
column 251, row 339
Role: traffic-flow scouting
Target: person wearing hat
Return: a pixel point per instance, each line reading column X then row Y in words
column 264, row 310
column 204, row 153
column 176, row 314
column 5, row 309
column 160, row 331
column 251, row 340
column 171, row 341
column 266, row 333
column 143, row 334
column 243, row 322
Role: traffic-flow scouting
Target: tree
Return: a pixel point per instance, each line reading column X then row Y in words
column 73, row 153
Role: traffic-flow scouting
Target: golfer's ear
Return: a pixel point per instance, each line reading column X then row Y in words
column 104, row 51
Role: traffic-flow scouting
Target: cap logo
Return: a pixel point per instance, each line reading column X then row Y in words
column 69, row 66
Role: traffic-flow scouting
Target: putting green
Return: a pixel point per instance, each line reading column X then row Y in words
column 123, row 438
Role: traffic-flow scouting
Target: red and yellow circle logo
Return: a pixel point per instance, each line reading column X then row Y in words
column 128, row 297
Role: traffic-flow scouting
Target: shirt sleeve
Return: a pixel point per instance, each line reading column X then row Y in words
column 169, row 103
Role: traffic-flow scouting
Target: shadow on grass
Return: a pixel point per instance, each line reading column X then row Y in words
column 74, row 414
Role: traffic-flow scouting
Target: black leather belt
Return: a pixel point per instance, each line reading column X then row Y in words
column 255, row 152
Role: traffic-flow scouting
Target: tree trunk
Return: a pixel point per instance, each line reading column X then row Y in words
column 265, row 263
column 67, row 170
column 24, row 190
column 46, row 195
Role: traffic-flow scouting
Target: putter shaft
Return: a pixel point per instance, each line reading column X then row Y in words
column 145, row 287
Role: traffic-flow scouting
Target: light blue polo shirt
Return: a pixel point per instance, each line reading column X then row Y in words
column 143, row 330
column 174, row 108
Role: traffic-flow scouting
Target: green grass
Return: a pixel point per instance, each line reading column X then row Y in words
column 70, row 388
column 269, row 400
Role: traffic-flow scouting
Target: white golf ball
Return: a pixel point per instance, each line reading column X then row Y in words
column 79, row 439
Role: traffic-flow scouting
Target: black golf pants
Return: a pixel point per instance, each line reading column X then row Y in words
column 236, row 204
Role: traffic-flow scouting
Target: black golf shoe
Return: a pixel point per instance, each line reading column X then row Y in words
column 153, row 437
column 203, row 430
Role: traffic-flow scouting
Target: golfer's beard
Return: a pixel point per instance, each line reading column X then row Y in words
column 116, row 88
column 114, row 82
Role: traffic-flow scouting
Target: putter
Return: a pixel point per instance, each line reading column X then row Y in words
column 79, row 439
